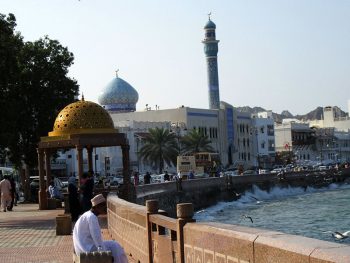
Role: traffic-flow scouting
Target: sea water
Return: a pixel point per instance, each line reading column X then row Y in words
column 310, row 212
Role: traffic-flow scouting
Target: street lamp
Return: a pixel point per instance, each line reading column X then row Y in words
column 96, row 158
column 177, row 128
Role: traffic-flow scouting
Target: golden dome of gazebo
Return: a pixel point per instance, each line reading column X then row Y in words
column 82, row 117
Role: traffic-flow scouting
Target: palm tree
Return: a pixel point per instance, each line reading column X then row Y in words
column 160, row 146
column 194, row 142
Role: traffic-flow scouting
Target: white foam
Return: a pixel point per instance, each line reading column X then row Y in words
column 257, row 196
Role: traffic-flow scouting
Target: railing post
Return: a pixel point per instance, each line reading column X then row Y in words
column 152, row 208
column 184, row 213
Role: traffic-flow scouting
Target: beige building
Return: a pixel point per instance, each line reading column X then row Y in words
column 331, row 118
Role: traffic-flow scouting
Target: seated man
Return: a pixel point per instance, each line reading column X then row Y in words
column 54, row 192
column 87, row 235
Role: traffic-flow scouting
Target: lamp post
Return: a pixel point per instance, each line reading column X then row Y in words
column 177, row 128
column 254, row 131
column 96, row 158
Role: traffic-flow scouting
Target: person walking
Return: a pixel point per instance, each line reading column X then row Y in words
column 87, row 235
column 73, row 198
column 5, row 189
column 136, row 178
column 147, row 178
column 86, row 188
column 166, row 177
column 13, row 193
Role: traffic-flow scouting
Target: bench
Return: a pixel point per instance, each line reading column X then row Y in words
column 93, row 257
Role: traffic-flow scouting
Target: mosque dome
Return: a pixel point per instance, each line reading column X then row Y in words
column 119, row 96
column 82, row 117
column 210, row 25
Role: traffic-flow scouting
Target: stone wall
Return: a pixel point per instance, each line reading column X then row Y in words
column 150, row 236
column 206, row 192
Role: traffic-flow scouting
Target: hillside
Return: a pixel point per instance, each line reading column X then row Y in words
column 315, row 114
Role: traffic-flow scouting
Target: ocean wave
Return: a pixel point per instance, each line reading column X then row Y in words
column 256, row 196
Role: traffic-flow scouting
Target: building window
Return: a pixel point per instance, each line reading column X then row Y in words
column 270, row 130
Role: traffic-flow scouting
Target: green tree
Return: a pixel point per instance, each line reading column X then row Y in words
column 160, row 147
column 194, row 142
column 11, row 44
column 35, row 88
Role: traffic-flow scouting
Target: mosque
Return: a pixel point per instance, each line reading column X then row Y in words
column 220, row 122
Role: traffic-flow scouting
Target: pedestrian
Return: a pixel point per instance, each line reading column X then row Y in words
column 136, row 178
column 147, row 178
column 191, row 175
column 87, row 235
column 166, row 176
column 5, row 189
column 73, row 198
column 86, row 188
column 13, row 193
column 179, row 181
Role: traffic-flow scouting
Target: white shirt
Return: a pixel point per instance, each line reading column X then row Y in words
column 5, row 187
column 87, row 233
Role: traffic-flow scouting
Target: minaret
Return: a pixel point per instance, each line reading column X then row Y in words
column 211, row 52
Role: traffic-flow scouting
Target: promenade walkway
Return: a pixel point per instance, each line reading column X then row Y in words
column 28, row 235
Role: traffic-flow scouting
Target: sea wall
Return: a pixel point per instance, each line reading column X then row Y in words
column 148, row 235
column 208, row 191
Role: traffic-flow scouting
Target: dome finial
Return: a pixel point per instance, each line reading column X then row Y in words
column 82, row 96
column 209, row 15
column 116, row 72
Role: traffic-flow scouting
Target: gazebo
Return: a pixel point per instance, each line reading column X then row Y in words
column 82, row 124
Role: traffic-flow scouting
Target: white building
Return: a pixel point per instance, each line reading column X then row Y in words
column 263, row 129
column 331, row 118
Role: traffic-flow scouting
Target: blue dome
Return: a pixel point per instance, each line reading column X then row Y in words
column 119, row 96
column 210, row 25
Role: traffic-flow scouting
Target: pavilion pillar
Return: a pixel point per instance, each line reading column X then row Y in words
column 79, row 149
column 89, row 152
column 47, row 168
column 126, row 161
column 42, row 195
column 127, row 191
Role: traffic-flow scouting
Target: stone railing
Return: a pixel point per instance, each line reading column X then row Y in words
column 147, row 235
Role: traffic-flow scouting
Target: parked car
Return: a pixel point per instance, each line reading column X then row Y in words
column 201, row 176
column 277, row 170
column 249, row 172
column 231, row 173
column 264, row 171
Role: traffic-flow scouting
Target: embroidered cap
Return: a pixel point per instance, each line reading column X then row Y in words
column 98, row 199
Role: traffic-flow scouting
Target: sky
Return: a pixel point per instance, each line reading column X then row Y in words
column 277, row 54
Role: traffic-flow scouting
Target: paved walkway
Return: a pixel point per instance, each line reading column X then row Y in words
column 28, row 235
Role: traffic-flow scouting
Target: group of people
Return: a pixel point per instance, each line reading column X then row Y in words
column 80, row 199
column 9, row 193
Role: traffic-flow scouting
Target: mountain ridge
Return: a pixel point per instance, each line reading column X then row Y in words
column 315, row 114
